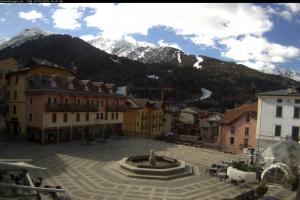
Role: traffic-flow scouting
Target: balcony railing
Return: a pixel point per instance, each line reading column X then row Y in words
column 71, row 108
column 116, row 108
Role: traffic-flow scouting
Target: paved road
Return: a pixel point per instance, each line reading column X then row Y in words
column 85, row 173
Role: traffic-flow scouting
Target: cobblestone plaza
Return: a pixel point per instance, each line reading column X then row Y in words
column 85, row 171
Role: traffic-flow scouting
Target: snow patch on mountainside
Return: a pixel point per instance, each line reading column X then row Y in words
column 179, row 58
column 197, row 64
column 205, row 93
column 24, row 36
column 153, row 77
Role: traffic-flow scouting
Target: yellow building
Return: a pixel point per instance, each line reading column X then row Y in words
column 143, row 117
column 15, row 96
column 6, row 66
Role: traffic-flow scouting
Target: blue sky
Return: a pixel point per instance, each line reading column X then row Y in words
column 256, row 35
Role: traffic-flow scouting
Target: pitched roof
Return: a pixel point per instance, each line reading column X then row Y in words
column 143, row 102
column 279, row 93
column 235, row 113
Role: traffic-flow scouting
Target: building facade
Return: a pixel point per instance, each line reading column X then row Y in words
column 278, row 116
column 143, row 117
column 6, row 66
column 171, row 119
column 16, row 100
column 209, row 126
column 189, row 121
column 66, row 108
column 237, row 129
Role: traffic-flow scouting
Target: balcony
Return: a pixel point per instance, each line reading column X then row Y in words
column 116, row 108
column 71, row 108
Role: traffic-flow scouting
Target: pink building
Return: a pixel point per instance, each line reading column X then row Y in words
column 237, row 128
column 65, row 109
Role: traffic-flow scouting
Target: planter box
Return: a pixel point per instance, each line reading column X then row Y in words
column 249, row 177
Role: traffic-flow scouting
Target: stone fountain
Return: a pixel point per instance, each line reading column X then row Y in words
column 153, row 167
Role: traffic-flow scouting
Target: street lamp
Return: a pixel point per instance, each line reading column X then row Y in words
column 298, row 190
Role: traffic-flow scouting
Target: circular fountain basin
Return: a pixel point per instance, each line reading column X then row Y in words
column 161, row 162
column 164, row 168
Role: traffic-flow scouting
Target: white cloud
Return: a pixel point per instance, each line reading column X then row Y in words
column 161, row 43
column 32, row 15
column 67, row 18
column 204, row 24
column 256, row 51
column 293, row 7
column 2, row 20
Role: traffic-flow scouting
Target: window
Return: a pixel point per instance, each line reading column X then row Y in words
column 277, row 130
column 8, row 81
column 97, row 116
column 78, row 101
column 49, row 100
column 232, row 141
column 247, row 131
column 102, row 103
column 66, row 101
column 17, row 79
column 278, row 111
column 296, row 112
column 106, row 116
column 232, row 130
column 92, row 102
column 7, row 108
column 113, row 103
column 65, row 117
column 112, row 116
column 295, row 133
column 87, row 102
column 53, row 117
column 137, row 124
column 16, row 94
column 297, row 101
column 117, row 115
column 54, row 101
column 15, row 109
column 245, row 142
column 30, row 117
column 30, row 100
column 138, row 114
column 117, row 102
column 279, row 100
column 247, row 117
column 87, row 116
column 78, row 117
column 7, row 94
column 101, row 116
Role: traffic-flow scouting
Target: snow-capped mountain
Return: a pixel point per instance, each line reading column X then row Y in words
column 145, row 52
column 25, row 35
column 272, row 69
column 150, row 53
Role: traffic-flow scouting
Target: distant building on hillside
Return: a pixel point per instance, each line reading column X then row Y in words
column 278, row 116
column 237, row 128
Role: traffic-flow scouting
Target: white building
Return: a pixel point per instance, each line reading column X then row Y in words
column 278, row 116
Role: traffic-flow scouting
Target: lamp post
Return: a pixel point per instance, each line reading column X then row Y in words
column 298, row 190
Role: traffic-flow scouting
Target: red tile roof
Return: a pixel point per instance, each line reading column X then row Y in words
column 235, row 113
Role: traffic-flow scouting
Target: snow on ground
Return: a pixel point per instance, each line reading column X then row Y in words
column 178, row 57
column 205, row 93
column 122, row 90
column 197, row 64
column 153, row 77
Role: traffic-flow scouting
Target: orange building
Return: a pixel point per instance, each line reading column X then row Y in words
column 237, row 129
